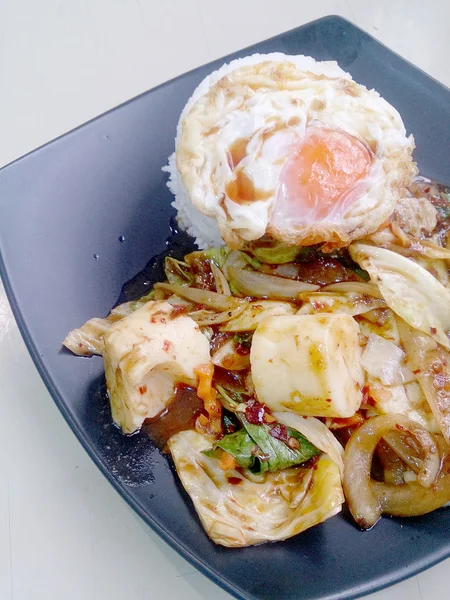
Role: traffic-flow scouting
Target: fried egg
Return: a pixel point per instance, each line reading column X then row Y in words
column 294, row 148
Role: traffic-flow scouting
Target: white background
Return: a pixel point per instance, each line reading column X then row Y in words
column 64, row 532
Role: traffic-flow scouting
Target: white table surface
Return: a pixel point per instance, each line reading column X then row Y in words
column 64, row 532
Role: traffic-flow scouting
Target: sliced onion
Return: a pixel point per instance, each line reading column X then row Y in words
column 256, row 311
column 316, row 432
column 383, row 359
column 431, row 364
column 240, row 260
column 364, row 504
column 207, row 317
column 222, row 286
column 399, row 444
column 332, row 302
column 177, row 271
column 260, row 285
column 416, row 248
column 227, row 357
column 287, row 270
column 175, row 300
column 359, row 287
column 393, row 467
column 213, row 300
column 413, row 499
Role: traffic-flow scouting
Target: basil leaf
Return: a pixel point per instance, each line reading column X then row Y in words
column 254, row 448
column 240, row 445
column 277, row 455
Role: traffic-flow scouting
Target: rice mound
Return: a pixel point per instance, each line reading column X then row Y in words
column 202, row 228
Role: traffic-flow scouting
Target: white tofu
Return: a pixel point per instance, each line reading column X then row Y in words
column 308, row 364
column 146, row 354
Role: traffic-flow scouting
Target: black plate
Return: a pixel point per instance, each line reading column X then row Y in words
column 74, row 198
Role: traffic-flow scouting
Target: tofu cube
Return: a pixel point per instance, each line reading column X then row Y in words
column 308, row 364
column 146, row 355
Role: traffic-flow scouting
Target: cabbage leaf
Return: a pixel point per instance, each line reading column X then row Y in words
column 408, row 289
column 239, row 509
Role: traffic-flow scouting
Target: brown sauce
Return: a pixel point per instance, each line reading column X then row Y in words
column 230, row 380
column 180, row 415
column 237, row 152
column 241, row 189
column 325, row 270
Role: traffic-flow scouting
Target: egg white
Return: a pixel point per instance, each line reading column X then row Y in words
column 267, row 107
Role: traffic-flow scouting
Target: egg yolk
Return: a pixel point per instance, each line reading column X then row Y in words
column 322, row 170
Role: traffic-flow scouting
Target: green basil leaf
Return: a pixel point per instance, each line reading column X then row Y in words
column 240, row 445
column 277, row 455
column 254, row 448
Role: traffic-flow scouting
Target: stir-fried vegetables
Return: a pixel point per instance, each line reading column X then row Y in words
column 411, row 291
column 316, row 432
column 259, row 285
column 431, row 364
column 240, row 509
column 146, row 354
column 274, row 252
column 89, row 339
column 363, row 499
column 385, row 360
column 308, row 364
column 287, row 356
column 212, row 300
column 255, row 312
column 348, row 303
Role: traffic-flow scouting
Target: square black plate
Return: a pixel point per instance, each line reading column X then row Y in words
column 73, row 198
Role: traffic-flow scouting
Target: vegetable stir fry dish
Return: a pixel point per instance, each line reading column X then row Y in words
column 300, row 357
column 286, row 380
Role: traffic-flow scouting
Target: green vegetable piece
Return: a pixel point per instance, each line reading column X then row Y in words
column 229, row 399
column 276, row 254
column 277, row 454
column 241, row 446
column 217, row 255
column 234, row 289
column 254, row 448
column 244, row 339
column 364, row 275
column 177, row 272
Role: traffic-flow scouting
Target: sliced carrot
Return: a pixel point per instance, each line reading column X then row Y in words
column 227, row 462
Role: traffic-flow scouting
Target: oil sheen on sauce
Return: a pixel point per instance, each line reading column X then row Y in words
column 180, row 415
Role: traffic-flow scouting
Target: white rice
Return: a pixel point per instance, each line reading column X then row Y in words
column 202, row 228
